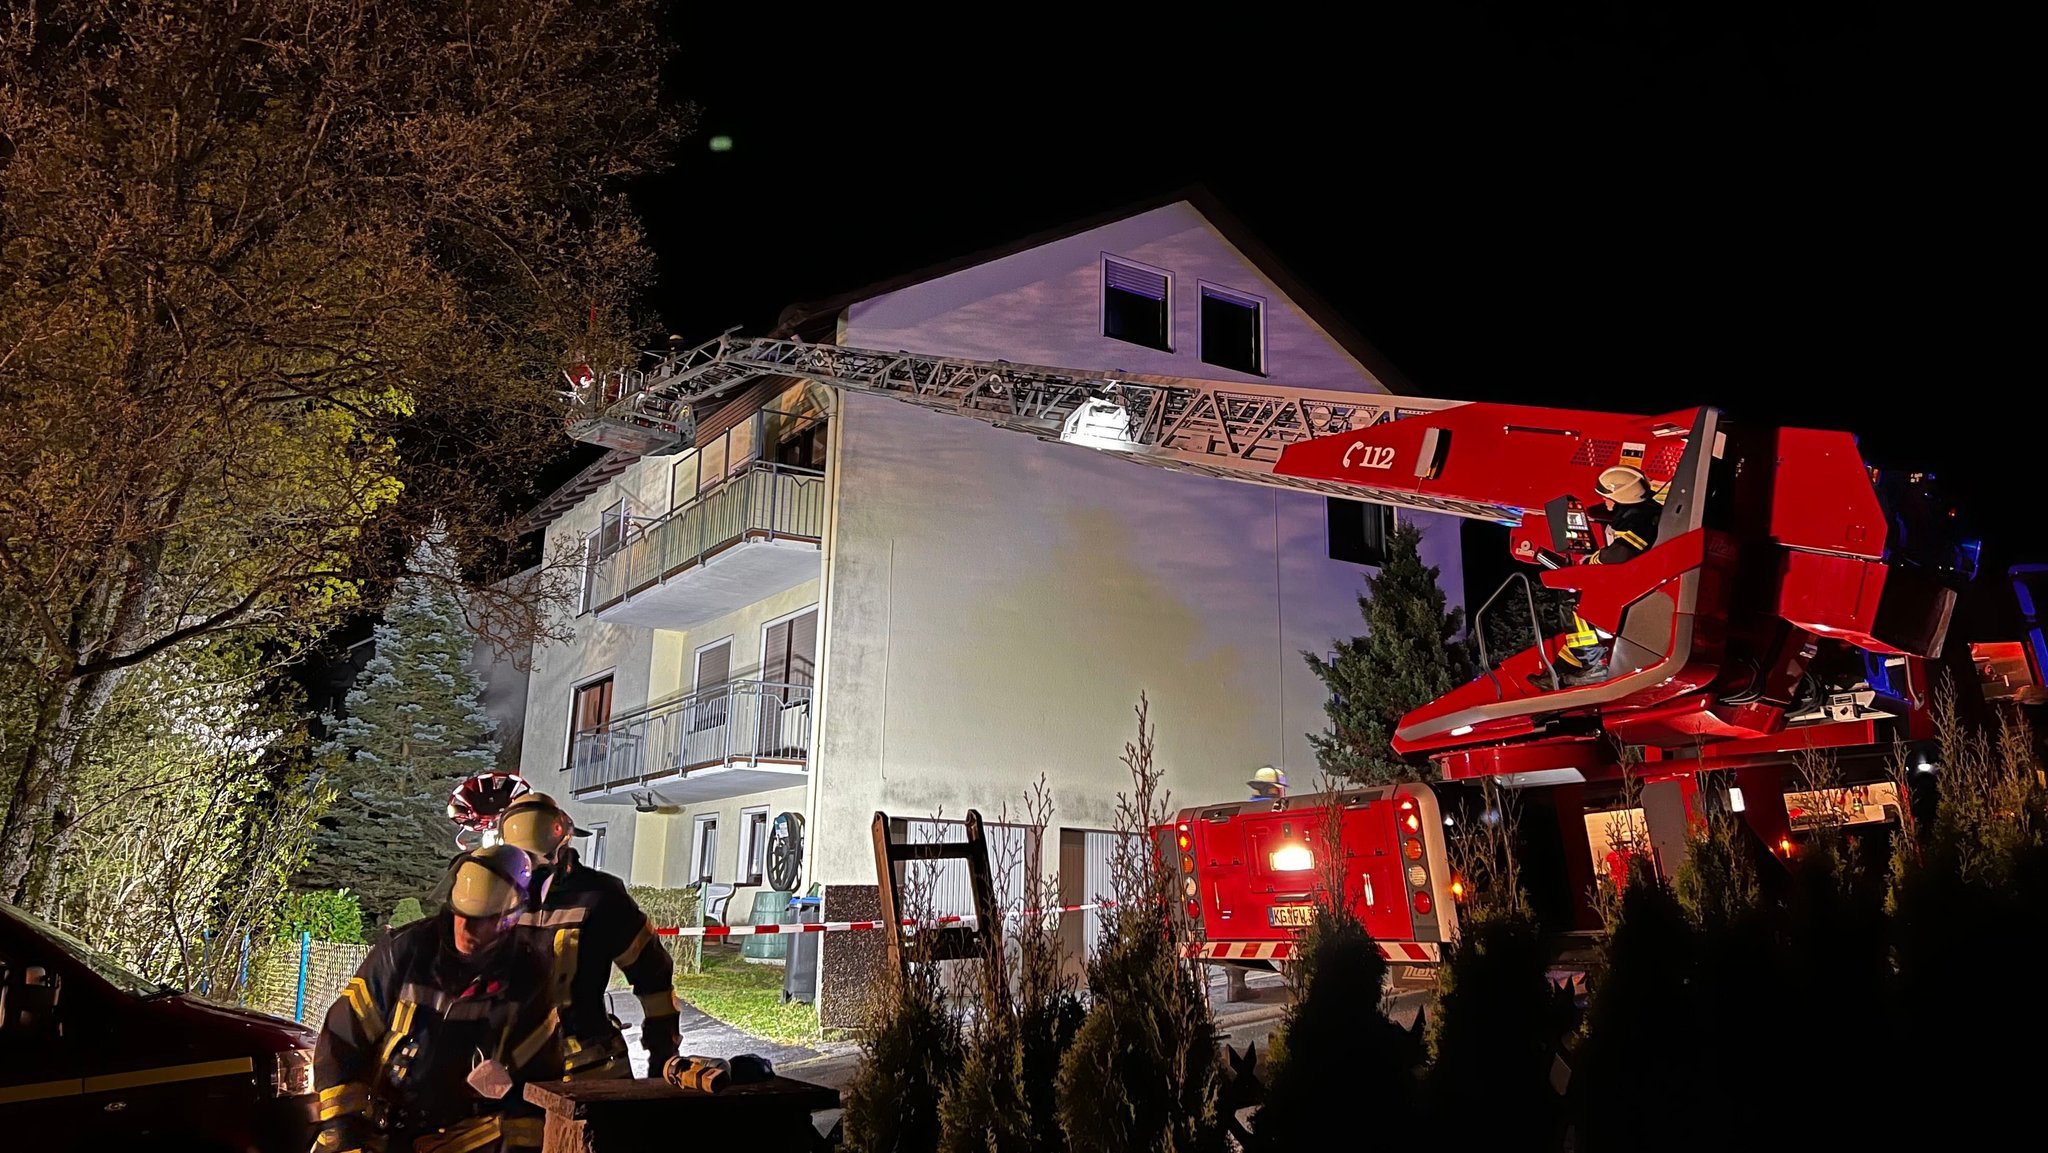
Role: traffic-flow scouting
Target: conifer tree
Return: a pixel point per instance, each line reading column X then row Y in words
column 414, row 727
column 1407, row 657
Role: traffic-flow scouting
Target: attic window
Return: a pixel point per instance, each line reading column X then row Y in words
column 1233, row 330
column 1134, row 300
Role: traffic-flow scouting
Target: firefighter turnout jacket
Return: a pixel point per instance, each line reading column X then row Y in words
column 395, row 1059
column 1630, row 532
column 586, row 922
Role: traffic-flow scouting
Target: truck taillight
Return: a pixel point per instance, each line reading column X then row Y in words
column 1190, row 888
column 1183, row 840
column 1412, row 850
column 1194, row 908
column 1422, row 902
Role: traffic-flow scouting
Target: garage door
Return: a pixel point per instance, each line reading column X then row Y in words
column 952, row 892
column 1098, row 863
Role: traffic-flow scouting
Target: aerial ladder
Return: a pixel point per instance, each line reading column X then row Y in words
column 1777, row 611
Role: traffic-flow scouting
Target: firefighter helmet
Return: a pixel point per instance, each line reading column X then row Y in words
column 1268, row 781
column 1623, row 485
column 478, row 800
column 491, row 882
column 535, row 823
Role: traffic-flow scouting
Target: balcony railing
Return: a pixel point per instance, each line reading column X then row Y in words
column 739, row 722
column 766, row 502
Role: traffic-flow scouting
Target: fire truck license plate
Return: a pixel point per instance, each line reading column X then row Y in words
column 1290, row 916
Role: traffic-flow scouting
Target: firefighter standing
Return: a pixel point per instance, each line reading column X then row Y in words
column 587, row 921
column 430, row 1045
column 1631, row 530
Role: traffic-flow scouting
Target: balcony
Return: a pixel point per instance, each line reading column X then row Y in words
column 754, row 536
column 739, row 737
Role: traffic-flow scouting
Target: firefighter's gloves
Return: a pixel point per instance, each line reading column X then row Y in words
column 712, row 1074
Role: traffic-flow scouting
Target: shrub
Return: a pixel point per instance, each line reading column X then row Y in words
column 912, row 1049
column 1005, row 1099
column 666, row 907
column 328, row 914
column 1335, row 1041
column 1499, row 1023
column 1145, row 1071
column 1635, row 1061
column 1337, row 1045
column 1969, row 887
column 909, row 1056
column 406, row 912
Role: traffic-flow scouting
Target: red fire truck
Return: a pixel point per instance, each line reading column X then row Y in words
column 1246, row 873
column 1794, row 600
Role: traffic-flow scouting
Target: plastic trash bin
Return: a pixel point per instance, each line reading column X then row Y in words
column 800, row 971
column 768, row 909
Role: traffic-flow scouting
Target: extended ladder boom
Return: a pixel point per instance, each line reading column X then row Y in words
column 1214, row 428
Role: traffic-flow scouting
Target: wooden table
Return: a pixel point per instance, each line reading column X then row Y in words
column 644, row 1115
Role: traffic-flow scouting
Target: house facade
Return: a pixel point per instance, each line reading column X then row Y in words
column 837, row 603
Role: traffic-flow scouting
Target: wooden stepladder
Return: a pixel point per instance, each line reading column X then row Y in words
column 955, row 942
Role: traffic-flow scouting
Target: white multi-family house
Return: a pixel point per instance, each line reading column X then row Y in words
column 838, row 604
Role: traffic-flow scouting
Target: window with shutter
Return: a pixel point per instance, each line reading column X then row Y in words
column 714, row 668
column 593, row 706
column 788, row 658
column 1134, row 304
column 789, row 651
column 612, row 526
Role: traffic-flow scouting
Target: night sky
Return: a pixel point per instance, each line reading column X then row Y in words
column 1799, row 214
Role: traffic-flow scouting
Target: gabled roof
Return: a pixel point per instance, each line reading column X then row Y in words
column 818, row 321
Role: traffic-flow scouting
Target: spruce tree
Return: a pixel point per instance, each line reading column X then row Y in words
column 414, row 727
column 1408, row 657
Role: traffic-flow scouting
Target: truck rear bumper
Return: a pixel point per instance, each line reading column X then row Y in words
column 1398, row 951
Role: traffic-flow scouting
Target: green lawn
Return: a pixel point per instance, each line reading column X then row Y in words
column 748, row 997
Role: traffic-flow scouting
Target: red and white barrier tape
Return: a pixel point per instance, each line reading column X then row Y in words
column 850, row 926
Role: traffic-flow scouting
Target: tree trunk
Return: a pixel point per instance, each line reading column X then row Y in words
column 38, row 821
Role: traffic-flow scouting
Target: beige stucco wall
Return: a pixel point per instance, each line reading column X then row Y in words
column 996, row 604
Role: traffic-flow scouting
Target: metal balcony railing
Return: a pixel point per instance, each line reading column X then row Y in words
column 737, row 722
column 763, row 502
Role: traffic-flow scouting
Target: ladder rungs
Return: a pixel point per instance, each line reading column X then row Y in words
column 945, row 851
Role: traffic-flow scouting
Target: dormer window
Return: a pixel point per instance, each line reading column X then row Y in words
column 1135, row 304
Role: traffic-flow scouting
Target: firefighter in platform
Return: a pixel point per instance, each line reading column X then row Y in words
column 1268, row 784
column 1631, row 530
column 587, row 922
column 431, row 1044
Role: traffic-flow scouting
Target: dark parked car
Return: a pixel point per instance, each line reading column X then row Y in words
column 94, row 1057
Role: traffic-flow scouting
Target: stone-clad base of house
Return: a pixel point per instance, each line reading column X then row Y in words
column 851, row 966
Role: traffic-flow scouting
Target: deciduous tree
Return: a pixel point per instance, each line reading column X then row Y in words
column 281, row 283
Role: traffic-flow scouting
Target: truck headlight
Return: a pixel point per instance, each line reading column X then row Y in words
column 293, row 1076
